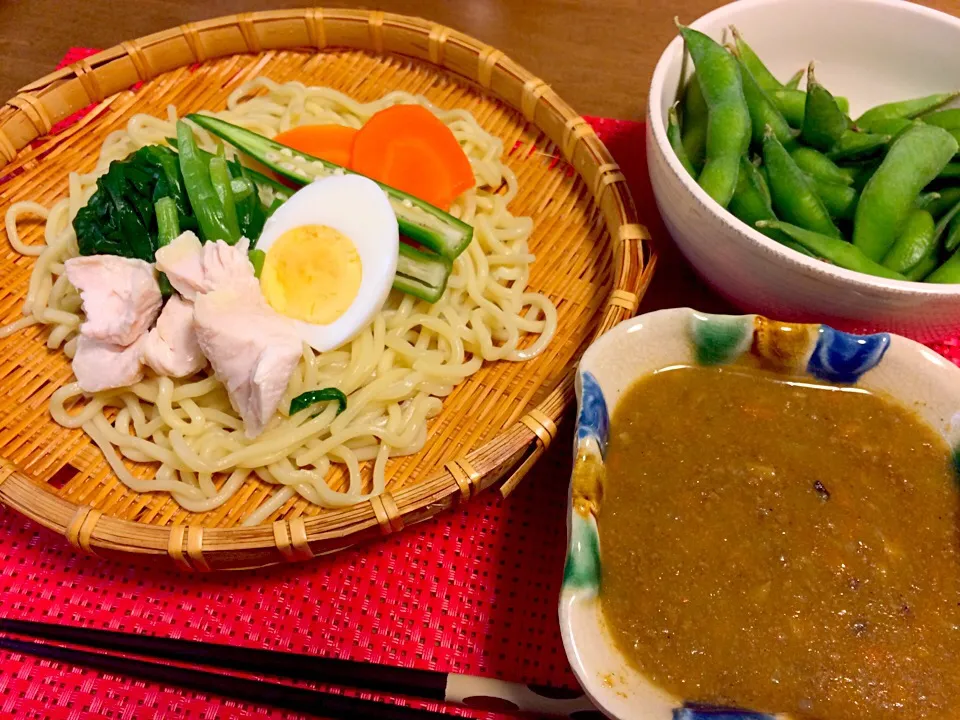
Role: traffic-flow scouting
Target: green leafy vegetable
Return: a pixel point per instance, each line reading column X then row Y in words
column 305, row 400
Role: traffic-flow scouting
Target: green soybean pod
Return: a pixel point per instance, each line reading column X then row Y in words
column 763, row 112
column 926, row 201
column 853, row 145
column 816, row 164
column 839, row 252
column 673, row 136
column 922, row 269
column 891, row 126
column 693, row 129
column 948, row 272
column 903, row 109
column 754, row 64
column 751, row 204
column 792, row 103
column 917, row 241
column 952, row 239
column 794, row 197
column 912, row 162
column 949, row 197
column 794, row 82
column 947, row 119
column 728, row 120
column 824, row 123
column 840, row 200
column 951, row 171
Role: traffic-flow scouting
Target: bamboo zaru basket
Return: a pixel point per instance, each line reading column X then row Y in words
column 593, row 262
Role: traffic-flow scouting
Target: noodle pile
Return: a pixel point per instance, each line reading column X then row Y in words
column 395, row 371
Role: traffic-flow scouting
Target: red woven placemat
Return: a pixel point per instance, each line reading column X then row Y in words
column 472, row 591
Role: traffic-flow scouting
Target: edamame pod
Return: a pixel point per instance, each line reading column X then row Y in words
column 857, row 145
column 840, row 200
column 753, row 63
column 948, row 272
column 728, row 120
column 903, row 109
column 794, row 82
column 816, row 164
column 824, row 123
column 922, row 268
column 763, row 112
column 950, row 170
column 947, row 119
column 750, row 204
column 792, row 103
column 949, row 197
column 912, row 162
column 917, row 241
column 839, row 252
column 673, row 136
column 952, row 240
column 794, row 197
column 926, row 200
column 693, row 129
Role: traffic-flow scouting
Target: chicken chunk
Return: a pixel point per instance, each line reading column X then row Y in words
column 195, row 268
column 100, row 365
column 252, row 348
column 121, row 298
column 171, row 348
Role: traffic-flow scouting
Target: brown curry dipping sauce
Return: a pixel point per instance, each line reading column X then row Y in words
column 779, row 545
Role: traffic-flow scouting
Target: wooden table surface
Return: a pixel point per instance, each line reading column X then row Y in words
column 598, row 54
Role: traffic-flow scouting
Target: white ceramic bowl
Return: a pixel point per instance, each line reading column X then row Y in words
column 888, row 364
column 870, row 51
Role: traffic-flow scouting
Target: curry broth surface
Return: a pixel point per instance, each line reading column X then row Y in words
column 782, row 547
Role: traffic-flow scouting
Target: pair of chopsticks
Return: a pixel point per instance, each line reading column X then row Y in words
column 96, row 650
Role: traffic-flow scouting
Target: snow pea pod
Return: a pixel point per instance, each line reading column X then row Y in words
column 839, row 252
column 912, row 162
column 676, row 142
column 917, row 241
column 816, row 164
column 693, row 128
column 824, row 123
column 766, row 79
column 794, row 196
column 728, row 120
column 903, row 109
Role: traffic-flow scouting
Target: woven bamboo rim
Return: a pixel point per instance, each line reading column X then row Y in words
column 502, row 460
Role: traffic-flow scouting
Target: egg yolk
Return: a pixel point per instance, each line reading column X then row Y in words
column 311, row 273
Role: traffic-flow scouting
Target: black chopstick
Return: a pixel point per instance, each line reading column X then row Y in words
column 257, row 692
column 412, row 683
column 426, row 684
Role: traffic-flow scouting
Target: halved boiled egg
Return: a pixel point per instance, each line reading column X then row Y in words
column 331, row 254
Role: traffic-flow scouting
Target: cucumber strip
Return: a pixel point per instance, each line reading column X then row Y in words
column 421, row 274
column 427, row 225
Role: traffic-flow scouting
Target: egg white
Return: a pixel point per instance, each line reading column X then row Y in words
column 357, row 208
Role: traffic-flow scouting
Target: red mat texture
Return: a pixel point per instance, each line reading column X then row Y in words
column 473, row 591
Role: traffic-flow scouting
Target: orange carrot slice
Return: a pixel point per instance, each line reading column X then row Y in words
column 409, row 148
column 333, row 143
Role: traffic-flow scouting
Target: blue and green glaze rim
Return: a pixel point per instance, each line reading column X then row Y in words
column 819, row 351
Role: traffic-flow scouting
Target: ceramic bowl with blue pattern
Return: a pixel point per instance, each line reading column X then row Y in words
column 888, row 364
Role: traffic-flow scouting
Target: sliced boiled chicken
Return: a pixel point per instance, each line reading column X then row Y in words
column 195, row 268
column 100, row 365
column 253, row 351
column 121, row 298
column 171, row 348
